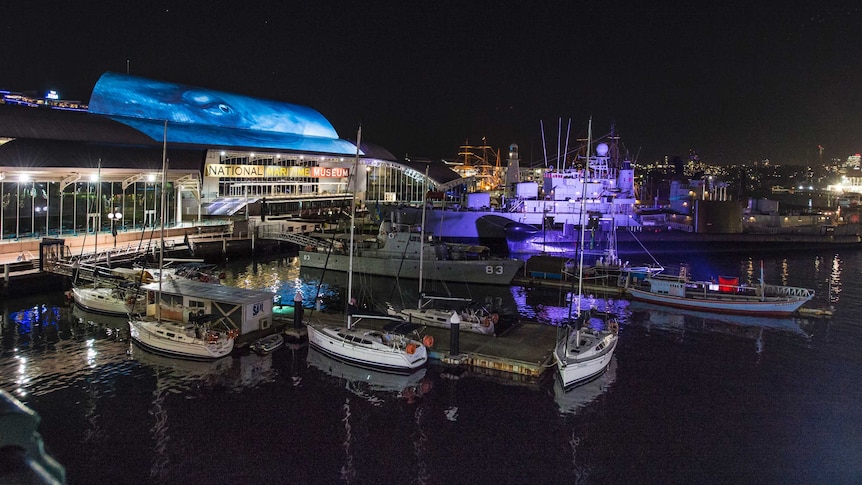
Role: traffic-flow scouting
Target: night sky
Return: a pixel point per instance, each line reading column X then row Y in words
column 734, row 84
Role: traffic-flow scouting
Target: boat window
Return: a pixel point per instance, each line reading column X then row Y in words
column 170, row 334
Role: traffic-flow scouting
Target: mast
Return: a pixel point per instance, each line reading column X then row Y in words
column 581, row 244
column 162, row 220
column 352, row 223
column 97, row 222
column 422, row 235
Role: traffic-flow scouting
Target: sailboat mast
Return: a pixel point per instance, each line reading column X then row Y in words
column 422, row 234
column 583, row 210
column 581, row 243
column 162, row 219
column 352, row 223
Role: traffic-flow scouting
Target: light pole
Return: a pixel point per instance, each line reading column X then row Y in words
column 115, row 216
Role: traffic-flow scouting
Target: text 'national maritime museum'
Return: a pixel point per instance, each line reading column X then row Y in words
column 72, row 171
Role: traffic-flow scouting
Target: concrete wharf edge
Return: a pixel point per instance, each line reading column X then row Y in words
column 524, row 349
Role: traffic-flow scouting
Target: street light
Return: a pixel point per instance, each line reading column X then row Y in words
column 115, row 216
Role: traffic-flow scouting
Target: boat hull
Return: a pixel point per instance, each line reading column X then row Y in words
column 377, row 356
column 738, row 307
column 576, row 371
column 173, row 339
column 443, row 319
column 103, row 301
column 267, row 344
column 487, row 271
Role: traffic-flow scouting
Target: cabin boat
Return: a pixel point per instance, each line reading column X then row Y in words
column 724, row 296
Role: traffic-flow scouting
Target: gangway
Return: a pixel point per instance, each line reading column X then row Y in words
column 273, row 232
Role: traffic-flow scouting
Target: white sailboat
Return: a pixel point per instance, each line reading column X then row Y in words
column 118, row 300
column 391, row 349
column 585, row 353
column 186, row 335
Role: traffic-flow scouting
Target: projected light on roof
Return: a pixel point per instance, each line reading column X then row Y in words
column 206, row 117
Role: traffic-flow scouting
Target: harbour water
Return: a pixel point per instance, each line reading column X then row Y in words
column 689, row 398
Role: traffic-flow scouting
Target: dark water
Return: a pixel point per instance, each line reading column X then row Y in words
column 690, row 398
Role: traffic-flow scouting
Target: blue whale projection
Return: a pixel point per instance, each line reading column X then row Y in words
column 206, row 117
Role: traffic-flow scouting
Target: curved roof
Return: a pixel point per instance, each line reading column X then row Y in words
column 438, row 171
column 202, row 116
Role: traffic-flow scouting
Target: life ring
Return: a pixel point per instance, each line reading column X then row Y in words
column 495, row 318
column 486, row 322
column 428, row 341
column 391, row 235
column 212, row 338
column 411, row 348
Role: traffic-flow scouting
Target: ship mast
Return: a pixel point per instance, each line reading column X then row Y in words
column 352, row 224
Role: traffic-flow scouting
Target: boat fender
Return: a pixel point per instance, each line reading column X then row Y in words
column 391, row 235
column 428, row 341
column 495, row 318
column 411, row 348
column 614, row 327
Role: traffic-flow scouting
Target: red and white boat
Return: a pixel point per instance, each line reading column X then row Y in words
column 724, row 296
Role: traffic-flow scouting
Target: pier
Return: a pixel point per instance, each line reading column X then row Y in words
column 525, row 349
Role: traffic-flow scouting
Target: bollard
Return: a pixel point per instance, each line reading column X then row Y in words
column 297, row 310
column 454, row 329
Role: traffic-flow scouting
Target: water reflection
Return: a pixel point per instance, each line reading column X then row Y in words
column 371, row 385
column 680, row 320
column 575, row 399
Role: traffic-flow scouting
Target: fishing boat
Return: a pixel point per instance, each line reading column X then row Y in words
column 171, row 325
column 267, row 344
column 391, row 349
column 585, row 352
column 726, row 295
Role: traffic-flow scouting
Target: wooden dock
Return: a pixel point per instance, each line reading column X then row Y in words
column 525, row 349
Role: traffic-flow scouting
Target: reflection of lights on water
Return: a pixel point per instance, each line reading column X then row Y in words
column 91, row 352
column 23, row 379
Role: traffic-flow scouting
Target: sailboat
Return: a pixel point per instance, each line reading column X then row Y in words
column 391, row 349
column 585, row 353
column 470, row 319
column 119, row 299
column 179, row 332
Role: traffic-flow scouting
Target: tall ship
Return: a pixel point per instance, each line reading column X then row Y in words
column 398, row 250
column 544, row 212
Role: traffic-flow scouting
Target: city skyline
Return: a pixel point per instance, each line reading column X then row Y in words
column 732, row 84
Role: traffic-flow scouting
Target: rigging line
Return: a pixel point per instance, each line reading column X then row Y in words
column 643, row 247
